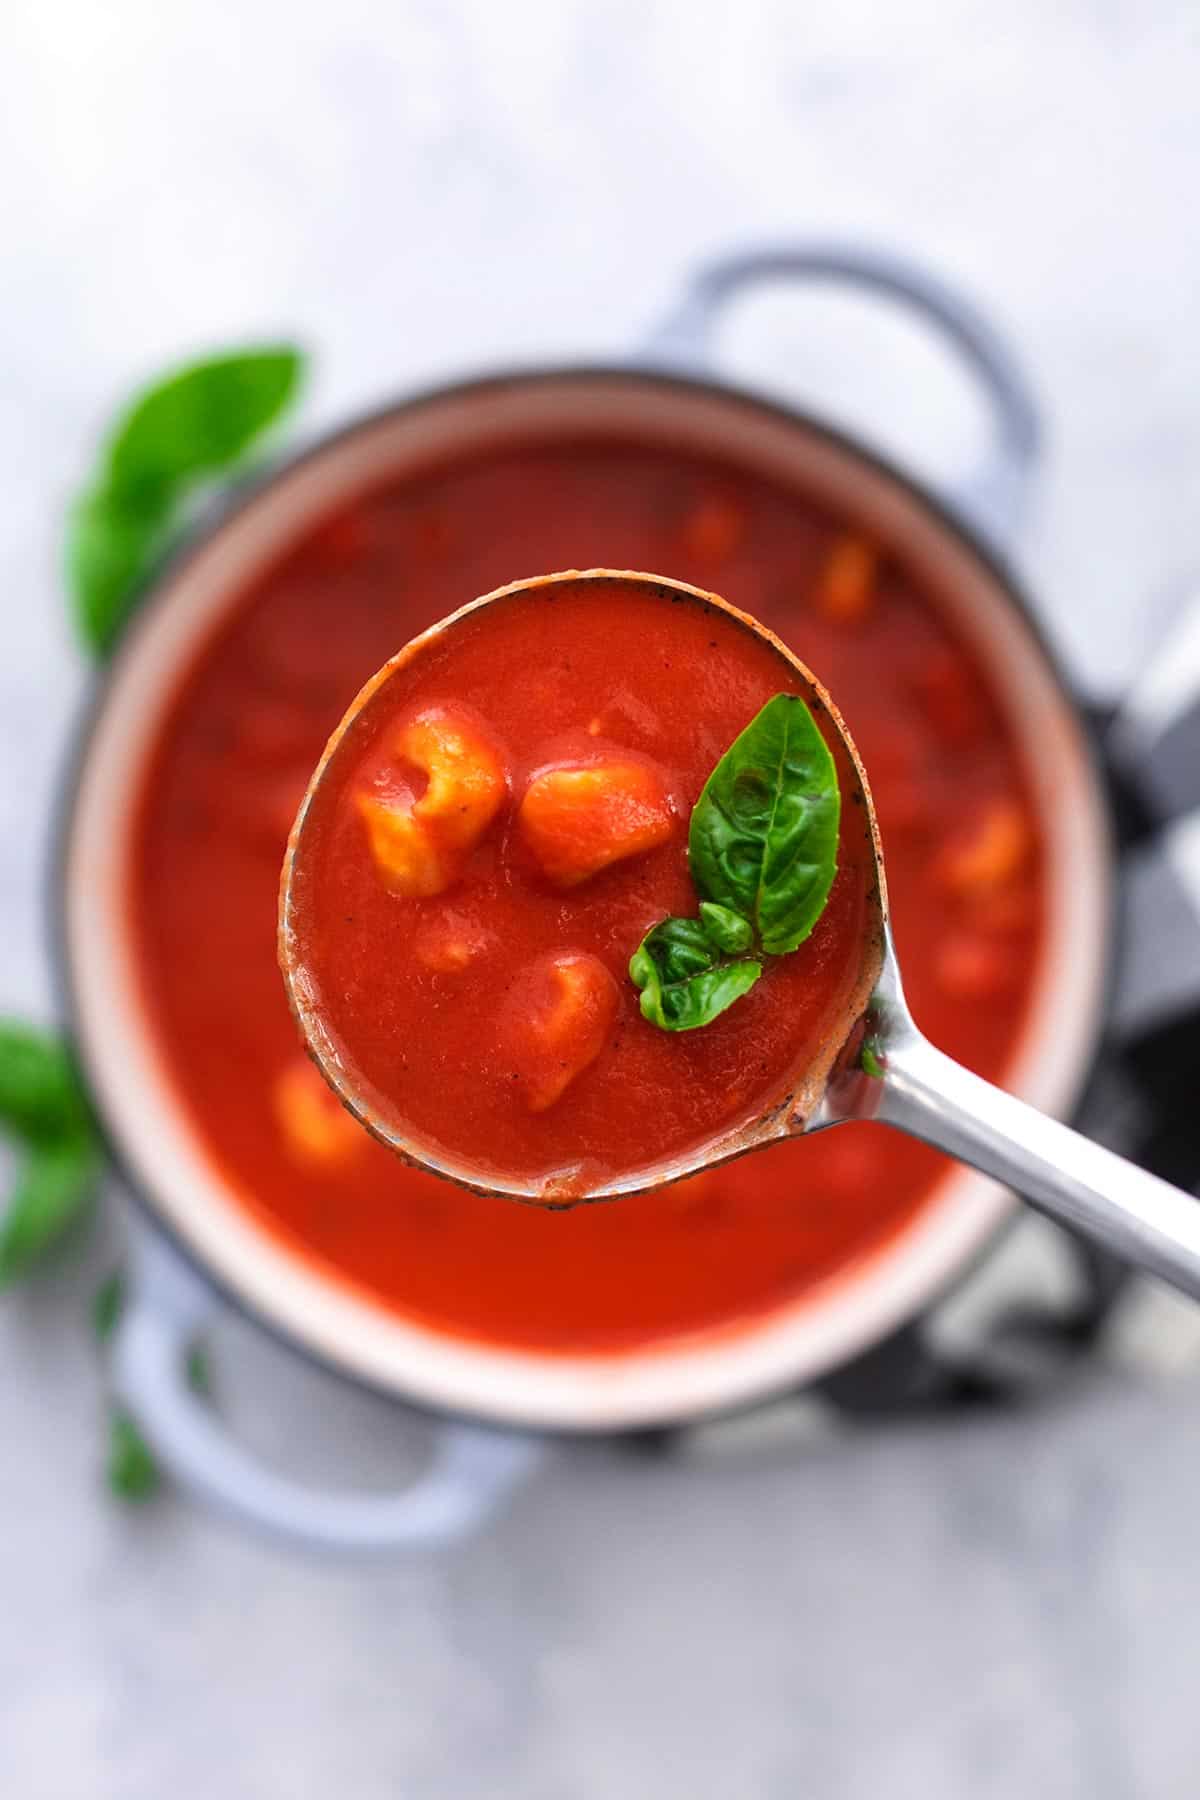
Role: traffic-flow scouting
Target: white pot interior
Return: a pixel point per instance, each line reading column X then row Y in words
column 157, row 1141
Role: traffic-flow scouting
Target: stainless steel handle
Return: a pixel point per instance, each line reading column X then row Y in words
column 993, row 495
column 473, row 1470
column 926, row 1094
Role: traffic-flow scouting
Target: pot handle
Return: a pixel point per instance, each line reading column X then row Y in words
column 992, row 497
column 1155, row 733
column 1153, row 740
column 473, row 1470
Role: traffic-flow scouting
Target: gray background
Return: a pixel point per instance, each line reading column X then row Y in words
column 998, row 1610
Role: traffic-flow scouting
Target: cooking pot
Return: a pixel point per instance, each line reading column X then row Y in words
column 196, row 1249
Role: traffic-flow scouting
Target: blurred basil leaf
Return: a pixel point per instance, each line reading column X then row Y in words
column 53, row 1187
column 107, row 1305
column 44, row 1112
column 131, row 1470
column 199, row 421
column 110, row 555
column 195, row 424
column 40, row 1095
column 199, row 1372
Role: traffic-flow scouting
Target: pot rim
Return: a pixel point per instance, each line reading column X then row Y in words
column 156, row 594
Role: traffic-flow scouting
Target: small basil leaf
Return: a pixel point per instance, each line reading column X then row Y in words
column 683, row 984
column 131, row 1470
column 726, row 930
column 686, row 1005
column 108, row 1303
column 199, row 1372
column 51, row 1193
column 40, row 1096
column 194, row 425
column 678, row 948
column 198, row 421
column 763, row 836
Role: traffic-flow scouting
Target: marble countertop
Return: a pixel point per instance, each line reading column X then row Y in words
column 993, row 1610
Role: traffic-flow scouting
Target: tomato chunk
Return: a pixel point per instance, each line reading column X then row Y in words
column 563, row 1012
column 577, row 820
column 316, row 1129
column 420, row 845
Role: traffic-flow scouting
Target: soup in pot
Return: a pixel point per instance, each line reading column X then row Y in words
column 248, row 721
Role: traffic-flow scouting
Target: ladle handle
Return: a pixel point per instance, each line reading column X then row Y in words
column 992, row 495
column 1079, row 1183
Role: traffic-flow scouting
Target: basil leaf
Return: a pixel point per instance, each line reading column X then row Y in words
column 677, row 949
column 40, row 1095
column 131, row 1470
column 764, row 832
column 683, row 979
column 51, row 1194
column 196, row 424
column 199, row 421
column 108, row 1303
column 110, row 555
column 198, row 1371
column 727, row 930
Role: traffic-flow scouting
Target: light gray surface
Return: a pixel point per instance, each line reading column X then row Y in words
column 999, row 1611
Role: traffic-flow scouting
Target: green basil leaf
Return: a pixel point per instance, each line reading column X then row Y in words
column 199, row 421
column 199, row 1371
column 677, row 949
column 727, row 930
column 764, row 832
column 683, row 980
column 131, row 1469
column 194, row 425
column 52, row 1192
column 108, row 1303
column 111, row 552
column 40, row 1095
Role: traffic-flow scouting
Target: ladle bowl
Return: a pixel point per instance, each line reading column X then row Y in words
column 875, row 1064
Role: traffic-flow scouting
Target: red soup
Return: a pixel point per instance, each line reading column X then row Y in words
column 497, row 827
column 246, row 726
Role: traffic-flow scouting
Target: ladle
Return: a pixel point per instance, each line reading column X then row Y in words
column 881, row 1067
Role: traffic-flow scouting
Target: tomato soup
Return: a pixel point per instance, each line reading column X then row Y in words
column 245, row 727
column 495, row 830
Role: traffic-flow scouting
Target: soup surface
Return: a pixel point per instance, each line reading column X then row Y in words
column 496, row 829
column 245, row 728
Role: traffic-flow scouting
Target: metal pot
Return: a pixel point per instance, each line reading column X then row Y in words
column 196, row 1249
